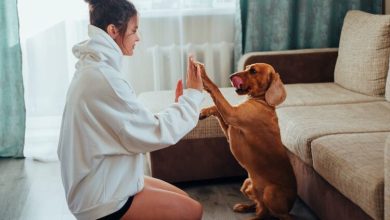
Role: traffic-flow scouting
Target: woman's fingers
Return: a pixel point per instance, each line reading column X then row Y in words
column 198, row 72
column 179, row 90
column 190, row 64
column 194, row 80
column 190, row 69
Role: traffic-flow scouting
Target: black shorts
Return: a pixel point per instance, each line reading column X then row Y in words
column 120, row 213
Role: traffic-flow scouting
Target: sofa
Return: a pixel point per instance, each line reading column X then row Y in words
column 335, row 124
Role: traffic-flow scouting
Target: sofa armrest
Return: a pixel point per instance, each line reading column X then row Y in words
column 297, row 66
column 387, row 179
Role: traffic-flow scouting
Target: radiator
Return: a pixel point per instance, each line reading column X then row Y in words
column 170, row 63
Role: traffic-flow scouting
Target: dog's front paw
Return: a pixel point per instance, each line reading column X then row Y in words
column 207, row 83
column 203, row 114
column 202, row 69
column 201, row 117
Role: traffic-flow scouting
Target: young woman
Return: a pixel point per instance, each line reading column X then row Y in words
column 105, row 130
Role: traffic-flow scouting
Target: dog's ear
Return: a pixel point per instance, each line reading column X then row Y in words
column 276, row 92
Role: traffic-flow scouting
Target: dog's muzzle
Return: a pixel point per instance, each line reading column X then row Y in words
column 237, row 82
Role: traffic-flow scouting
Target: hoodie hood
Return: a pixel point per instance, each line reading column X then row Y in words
column 99, row 48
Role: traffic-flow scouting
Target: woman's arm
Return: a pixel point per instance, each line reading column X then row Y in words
column 115, row 106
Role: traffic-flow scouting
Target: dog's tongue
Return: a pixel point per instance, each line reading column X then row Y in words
column 236, row 82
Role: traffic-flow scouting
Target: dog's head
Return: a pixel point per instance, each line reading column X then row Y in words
column 260, row 80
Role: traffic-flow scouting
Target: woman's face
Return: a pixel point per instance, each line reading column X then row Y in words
column 128, row 40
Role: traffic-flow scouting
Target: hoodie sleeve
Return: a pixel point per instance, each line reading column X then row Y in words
column 136, row 127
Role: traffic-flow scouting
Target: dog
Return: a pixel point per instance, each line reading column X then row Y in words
column 252, row 131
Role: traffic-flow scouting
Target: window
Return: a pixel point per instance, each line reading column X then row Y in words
column 50, row 28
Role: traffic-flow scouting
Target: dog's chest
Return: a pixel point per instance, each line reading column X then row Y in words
column 238, row 144
column 247, row 142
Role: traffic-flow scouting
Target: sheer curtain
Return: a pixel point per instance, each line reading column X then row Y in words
column 12, row 105
column 169, row 29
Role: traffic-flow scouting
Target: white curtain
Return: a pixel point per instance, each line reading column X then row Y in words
column 169, row 29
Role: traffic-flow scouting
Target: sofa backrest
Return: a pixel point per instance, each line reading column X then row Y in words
column 364, row 49
column 296, row 66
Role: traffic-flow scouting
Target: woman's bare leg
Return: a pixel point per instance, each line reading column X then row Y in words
column 157, row 183
column 161, row 200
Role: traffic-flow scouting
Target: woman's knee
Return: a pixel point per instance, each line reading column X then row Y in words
column 198, row 210
column 166, row 205
column 188, row 208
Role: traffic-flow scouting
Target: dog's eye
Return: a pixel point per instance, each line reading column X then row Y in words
column 252, row 71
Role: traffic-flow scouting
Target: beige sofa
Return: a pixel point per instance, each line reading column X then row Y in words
column 334, row 123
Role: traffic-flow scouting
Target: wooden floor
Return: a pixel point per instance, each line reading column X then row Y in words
column 31, row 190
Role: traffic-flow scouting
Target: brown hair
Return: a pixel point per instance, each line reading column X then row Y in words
column 105, row 12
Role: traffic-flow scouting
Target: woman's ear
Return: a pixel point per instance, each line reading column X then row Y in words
column 276, row 92
column 112, row 31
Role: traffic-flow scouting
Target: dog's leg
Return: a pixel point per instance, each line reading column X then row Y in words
column 206, row 112
column 247, row 189
column 251, row 193
column 244, row 208
column 278, row 202
column 228, row 112
column 258, row 207
column 261, row 210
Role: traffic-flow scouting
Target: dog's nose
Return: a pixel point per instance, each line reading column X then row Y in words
column 236, row 82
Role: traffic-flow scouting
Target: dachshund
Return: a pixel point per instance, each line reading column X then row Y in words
column 253, row 133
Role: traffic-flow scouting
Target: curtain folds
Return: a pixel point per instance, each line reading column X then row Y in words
column 12, row 107
column 268, row 25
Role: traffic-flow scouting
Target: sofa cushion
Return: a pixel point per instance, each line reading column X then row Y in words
column 353, row 164
column 300, row 125
column 322, row 94
column 364, row 49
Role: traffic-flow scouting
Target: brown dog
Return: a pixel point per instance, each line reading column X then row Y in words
column 253, row 133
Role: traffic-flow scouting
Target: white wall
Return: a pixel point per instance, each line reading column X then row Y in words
column 387, row 6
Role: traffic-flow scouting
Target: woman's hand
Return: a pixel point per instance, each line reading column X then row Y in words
column 194, row 79
column 179, row 90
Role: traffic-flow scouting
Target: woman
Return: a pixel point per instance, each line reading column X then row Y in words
column 105, row 129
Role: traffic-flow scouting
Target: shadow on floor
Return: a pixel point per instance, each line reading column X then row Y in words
column 219, row 196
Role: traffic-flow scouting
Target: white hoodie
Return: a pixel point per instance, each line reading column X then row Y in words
column 105, row 130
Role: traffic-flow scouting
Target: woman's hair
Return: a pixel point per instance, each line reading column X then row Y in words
column 105, row 12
